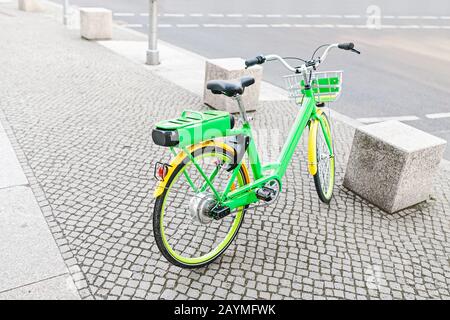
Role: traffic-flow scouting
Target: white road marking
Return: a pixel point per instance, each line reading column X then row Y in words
column 164, row 25
column 407, row 17
column 381, row 119
column 123, row 14
column 257, row 25
column 414, row 26
column 174, row 15
column 188, row 25
column 281, row 25
column 387, row 26
column 258, row 15
column 334, row 16
column 297, row 25
column 134, row 25
column 438, row 115
column 211, row 25
column 323, row 26
column 287, row 25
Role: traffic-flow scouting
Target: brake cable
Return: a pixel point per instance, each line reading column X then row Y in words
column 293, row 58
column 318, row 48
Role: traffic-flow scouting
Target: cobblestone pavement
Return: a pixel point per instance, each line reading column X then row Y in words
column 80, row 119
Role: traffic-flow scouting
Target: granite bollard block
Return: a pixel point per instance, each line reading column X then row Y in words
column 228, row 69
column 392, row 165
column 30, row 5
column 96, row 23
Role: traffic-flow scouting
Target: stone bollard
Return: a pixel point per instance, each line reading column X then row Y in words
column 30, row 5
column 227, row 69
column 392, row 165
column 96, row 23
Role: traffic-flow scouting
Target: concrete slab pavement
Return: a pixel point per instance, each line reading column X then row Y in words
column 11, row 173
column 53, row 288
column 28, row 252
column 30, row 262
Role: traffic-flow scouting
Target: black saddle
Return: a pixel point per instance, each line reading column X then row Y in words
column 230, row 88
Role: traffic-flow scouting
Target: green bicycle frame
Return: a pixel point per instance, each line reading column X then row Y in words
column 264, row 173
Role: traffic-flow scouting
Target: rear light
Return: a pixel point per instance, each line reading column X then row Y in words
column 161, row 170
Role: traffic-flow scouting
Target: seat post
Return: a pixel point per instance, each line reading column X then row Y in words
column 242, row 111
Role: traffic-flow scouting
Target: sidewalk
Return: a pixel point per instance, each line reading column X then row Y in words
column 32, row 266
column 79, row 119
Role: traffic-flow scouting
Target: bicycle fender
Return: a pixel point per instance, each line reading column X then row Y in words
column 312, row 152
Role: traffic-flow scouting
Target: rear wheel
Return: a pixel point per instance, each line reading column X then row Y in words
column 324, row 177
column 184, row 233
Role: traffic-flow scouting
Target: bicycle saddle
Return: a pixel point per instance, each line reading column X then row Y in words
column 230, row 88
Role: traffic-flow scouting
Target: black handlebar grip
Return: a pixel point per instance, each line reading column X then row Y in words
column 254, row 61
column 346, row 46
column 251, row 62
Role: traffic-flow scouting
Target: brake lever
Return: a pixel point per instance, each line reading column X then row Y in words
column 355, row 51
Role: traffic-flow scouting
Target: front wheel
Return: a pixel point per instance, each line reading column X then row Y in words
column 324, row 176
column 185, row 234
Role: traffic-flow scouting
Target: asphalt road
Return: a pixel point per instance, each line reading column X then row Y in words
column 403, row 71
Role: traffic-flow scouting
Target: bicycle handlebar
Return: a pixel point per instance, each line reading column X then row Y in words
column 310, row 64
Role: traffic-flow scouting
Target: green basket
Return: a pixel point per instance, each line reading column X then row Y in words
column 326, row 85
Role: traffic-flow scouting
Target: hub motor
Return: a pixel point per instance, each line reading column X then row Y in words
column 200, row 207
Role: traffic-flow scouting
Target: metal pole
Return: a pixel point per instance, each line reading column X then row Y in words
column 65, row 11
column 152, row 51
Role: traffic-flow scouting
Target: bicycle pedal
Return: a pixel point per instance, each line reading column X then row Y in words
column 265, row 194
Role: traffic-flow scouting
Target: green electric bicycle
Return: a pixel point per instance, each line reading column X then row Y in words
column 205, row 191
